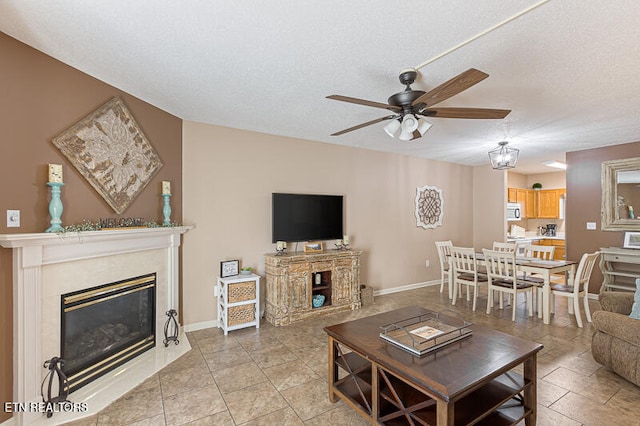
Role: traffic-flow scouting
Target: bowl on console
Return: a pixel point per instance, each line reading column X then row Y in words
column 317, row 300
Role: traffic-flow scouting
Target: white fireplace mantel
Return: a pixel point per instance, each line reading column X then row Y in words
column 33, row 252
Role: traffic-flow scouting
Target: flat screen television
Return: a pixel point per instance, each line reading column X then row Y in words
column 306, row 217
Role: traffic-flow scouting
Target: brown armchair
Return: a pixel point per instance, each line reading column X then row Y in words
column 616, row 342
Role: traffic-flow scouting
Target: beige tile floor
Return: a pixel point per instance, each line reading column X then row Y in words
column 278, row 375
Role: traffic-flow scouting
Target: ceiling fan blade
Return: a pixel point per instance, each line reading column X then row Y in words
column 364, row 102
column 360, row 126
column 465, row 112
column 452, row 87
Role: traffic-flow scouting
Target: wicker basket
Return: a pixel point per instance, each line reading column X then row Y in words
column 241, row 314
column 239, row 292
column 366, row 295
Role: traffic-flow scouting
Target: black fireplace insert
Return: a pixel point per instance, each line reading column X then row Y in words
column 105, row 326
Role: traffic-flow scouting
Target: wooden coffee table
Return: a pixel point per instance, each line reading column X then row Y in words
column 476, row 380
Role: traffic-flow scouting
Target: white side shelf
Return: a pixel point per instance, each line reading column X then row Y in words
column 619, row 262
column 238, row 302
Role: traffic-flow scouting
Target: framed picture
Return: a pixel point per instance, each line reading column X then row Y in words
column 313, row 247
column 632, row 240
column 229, row 268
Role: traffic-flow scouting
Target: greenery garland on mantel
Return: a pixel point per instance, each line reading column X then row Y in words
column 88, row 225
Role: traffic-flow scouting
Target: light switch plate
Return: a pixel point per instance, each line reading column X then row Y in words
column 13, row 218
column 591, row 226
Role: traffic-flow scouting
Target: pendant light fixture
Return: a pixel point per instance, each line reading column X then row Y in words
column 503, row 157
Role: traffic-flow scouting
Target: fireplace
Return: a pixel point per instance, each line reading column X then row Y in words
column 46, row 267
column 105, row 326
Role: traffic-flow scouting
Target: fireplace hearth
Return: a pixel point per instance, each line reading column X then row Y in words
column 105, row 326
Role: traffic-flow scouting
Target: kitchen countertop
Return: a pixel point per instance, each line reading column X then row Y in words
column 559, row 236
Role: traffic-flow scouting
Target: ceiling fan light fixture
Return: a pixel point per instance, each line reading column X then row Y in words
column 409, row 123
column 405, row 136
column 423, row 126
column 393, row 128
column 406, row 104
column 503, row 157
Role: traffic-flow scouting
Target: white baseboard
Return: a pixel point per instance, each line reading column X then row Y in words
column 405, row 287
column 216, row 323
column 201, row 325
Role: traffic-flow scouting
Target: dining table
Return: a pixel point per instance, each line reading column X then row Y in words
column 531, row 265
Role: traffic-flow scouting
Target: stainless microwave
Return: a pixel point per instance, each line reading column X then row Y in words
column 514, row 211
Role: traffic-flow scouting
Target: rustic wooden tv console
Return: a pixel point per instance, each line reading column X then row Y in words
column 292, row 279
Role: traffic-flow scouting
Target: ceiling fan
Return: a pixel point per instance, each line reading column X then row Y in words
column 409, row 104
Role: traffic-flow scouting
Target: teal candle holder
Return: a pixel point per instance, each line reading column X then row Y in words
column 55, row 207
column 166, row 209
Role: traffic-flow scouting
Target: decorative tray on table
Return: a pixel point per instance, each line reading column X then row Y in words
column 426, row 333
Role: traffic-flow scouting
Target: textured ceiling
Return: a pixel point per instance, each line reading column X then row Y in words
column 567, row 69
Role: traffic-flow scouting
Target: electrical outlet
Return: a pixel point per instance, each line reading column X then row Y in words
column 591, row 226
column 216, row 293
column 13, row 218
column 426, row 263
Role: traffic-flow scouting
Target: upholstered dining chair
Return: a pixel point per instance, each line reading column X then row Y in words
column 577, row 288
column 444, row 250
column 502, row 277
column 464, row 268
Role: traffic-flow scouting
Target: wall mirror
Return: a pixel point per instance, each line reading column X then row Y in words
column 621, row 195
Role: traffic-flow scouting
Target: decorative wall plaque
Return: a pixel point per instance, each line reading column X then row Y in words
column 109, row 149
column 429, row 207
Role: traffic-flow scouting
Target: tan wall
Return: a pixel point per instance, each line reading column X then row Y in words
column 489, row 206
column 552, row 180
column 516, row 180
column 41, row 97
column 229, row 177
column 584, row 202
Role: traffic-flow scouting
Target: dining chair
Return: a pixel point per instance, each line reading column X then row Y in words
column 576, row 288
column 537, row 252
column 542, row 253
column 508, row 247
column 465, row 272
column 444, row 250
column 502, row 277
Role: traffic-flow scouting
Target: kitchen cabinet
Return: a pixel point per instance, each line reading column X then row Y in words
column 531, row 205
column 526, row 198
column 549, row 203
column 537, row 204
column 560, row 252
